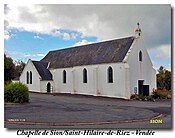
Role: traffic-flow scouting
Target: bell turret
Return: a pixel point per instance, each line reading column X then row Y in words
column 138, row 31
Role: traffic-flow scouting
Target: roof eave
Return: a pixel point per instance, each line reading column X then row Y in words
column 130, row 50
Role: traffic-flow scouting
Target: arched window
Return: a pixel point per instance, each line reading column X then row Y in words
column 140, row 56
column 110, row 75
column 84, row 76
column 30, row 77
column 48, row 87
column 64, row 76
column 27, row 77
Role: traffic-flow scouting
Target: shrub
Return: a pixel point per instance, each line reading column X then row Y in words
column 162, row 94
column 157, row 94
column 133, row 96
column 168, row 96
column 150, row 98
column 16, row 93
column 141, row 97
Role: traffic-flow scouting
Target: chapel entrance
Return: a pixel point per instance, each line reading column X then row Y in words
column 143, row 89
column 48, row 87
column 140, row 86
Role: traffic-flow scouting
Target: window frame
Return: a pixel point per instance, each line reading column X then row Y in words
column 64, row 76
column 30, row 77
column 27, row 77
column 110, row 75
column 85, row 75
column 140, row 56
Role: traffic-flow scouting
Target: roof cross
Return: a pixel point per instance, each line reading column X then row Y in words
column 138, row 31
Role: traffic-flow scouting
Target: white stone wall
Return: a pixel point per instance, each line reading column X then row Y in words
column 141, row 70
column 43, row 86
column 97, row 83
column 35, row 86
column 79, row 86
column 59, row 86
column 120, row 81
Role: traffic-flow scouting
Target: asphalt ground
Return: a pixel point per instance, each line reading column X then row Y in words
column 77, row 111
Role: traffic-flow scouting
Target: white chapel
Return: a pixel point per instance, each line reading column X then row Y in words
column 114, row 68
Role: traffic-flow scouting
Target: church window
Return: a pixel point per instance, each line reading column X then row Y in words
column 27, row 77
column 64, row 76
column 140, row 56
column 84, row 76
column 30, row 77
column 110, row 75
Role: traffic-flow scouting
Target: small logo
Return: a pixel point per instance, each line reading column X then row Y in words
column 156, row 121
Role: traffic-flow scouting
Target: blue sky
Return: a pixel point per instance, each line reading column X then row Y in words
column 31, row 31
column 23, row 45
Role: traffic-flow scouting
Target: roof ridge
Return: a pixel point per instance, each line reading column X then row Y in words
column 110, row 51
column 39, row 61
column 92, row 43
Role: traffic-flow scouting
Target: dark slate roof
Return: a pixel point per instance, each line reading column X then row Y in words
column 97, row 53
column 41, row 67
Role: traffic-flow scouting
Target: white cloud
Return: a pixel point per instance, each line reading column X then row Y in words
column 40, row 55
column 14, row 53
column 75, row 35
column 161, row 56
column 166, row 66
column 6, row 35
column 66, row 36
column 38, row 37
column 103, row 21
column 34, row 55
column 19, row 56
column 82, row 42
column 56, row 33
column 161, row 52
column 27, row 55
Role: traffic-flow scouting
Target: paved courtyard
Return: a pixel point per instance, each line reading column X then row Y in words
column 77, row 111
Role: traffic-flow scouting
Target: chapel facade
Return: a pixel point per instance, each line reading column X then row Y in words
column 113, row 68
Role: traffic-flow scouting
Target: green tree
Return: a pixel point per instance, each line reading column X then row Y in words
column 19, row 66
column 163, row 79
column 9, row 68
column 12, row 70
column 167, row 80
